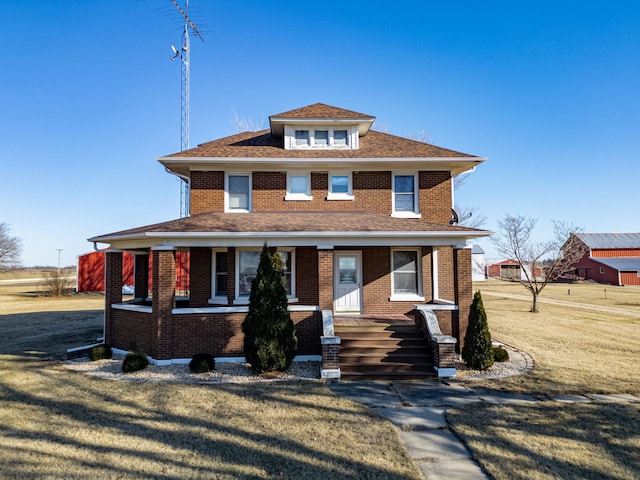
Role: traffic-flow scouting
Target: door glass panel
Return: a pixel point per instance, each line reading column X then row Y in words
column 347, row 269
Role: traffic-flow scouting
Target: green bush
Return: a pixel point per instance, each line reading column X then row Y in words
column 100, row 352
column 134, row 361
column 477, row 352
column 202, row 363
column 270, row 340
column 500, row 354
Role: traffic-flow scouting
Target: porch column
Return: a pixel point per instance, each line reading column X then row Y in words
column 325, row 277
column 112, row 289
column 463, row 293
column 330, row 342
column 141, row 275
column 164, row 299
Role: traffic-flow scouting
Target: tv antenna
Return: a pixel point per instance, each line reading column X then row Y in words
column 184, row 54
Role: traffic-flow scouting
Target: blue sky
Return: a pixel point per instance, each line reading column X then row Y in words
column 547, row 90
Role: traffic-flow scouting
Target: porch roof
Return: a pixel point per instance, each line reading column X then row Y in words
column 291, row 229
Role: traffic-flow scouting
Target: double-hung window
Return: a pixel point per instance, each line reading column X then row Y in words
column 237, row 190
column 405, row 274
column 219, row 276
column 340, row 186
column 247, row 262
column 298, row 186
column 405, row 195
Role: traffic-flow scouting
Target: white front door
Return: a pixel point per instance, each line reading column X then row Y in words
column 347, row 270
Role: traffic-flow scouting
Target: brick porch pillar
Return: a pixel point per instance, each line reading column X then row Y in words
column 463, row 293
column 112, row 289
column 141, row 275
column 200, row 276
column 325, row 277
column 164, row 300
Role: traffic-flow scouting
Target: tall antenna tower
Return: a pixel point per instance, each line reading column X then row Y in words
column 184, row 54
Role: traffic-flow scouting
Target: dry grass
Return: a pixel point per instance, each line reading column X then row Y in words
column 55, row 423
column 553, row 441
column 576, row 351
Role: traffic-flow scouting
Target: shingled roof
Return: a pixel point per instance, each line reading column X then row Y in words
column 333, row 225
column 263, row 144
column 321, row 110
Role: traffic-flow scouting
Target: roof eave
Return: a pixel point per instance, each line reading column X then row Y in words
column 184, row 165
column 278, row 123
column 253, row 239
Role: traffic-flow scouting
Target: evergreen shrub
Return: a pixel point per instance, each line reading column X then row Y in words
column 477, row 352
column 100, row 352
column 500, row 354
column 202, row 363
column 134, row 361
column 270, row 340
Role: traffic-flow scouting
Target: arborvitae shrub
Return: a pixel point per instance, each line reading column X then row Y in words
column 270, row 341
column 100, row 352
column 500, row 354
column 477, row 352
column 134, row 361
column 202, row 363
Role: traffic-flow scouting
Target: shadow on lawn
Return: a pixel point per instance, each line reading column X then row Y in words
column 552, row 440
column 200, row 442
column 46, row 333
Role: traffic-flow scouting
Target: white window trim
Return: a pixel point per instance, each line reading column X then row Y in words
column 226, row 192
column 244, row 300
column 341, row 196
column 601, row 270
column 419, row 297
column 416, row 191
column 217, row 299
column 290, row 137
column 299, row 196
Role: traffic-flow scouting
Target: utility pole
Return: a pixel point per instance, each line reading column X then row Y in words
column 59, row 251
column 184, row 54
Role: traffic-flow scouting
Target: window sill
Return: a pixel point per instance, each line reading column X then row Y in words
column 245, row 300
column 218, row 301
column 340, row 196
column 236, row 210
column 298, row 197
column 406, row 298
column 406, row 215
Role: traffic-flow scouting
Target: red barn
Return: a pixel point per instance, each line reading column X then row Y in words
column 612, row 258
column 510, row 270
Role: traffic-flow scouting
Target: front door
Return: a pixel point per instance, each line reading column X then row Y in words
column 347, row 282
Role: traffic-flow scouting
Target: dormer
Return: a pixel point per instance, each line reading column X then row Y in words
column 320, row 127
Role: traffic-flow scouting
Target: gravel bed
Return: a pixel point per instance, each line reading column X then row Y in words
column 224, row 372
column 230, row 372
column 519, row 362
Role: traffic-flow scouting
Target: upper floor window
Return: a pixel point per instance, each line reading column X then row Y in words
column 302, row 138
column 340, row 186
column 237, row 189
column 321, row 137
column 405, row 195
column 298, row 186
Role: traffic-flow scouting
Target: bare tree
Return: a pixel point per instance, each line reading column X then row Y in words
column 470, row 217
column 10, row 248
column 244, row 124
column 555, row 258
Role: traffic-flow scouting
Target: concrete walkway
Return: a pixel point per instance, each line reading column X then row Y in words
column 418, row 411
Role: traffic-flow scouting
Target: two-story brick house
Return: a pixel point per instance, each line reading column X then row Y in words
column 361, row 219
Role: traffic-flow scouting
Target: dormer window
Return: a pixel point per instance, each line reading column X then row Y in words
column 321, row 137
column 302, row 138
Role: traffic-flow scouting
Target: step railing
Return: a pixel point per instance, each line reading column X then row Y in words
column 443, row 346
column 330, row 348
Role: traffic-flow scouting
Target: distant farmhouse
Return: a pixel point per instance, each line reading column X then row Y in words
column 612, row 258
column 477, row 264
